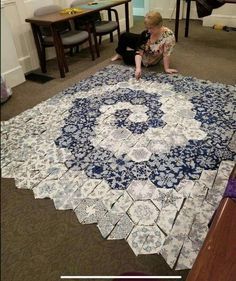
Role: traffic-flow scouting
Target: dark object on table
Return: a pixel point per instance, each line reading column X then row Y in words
column 205, row 7
column 38, row 78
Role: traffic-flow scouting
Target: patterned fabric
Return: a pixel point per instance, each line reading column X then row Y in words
column 154, row 51
column 146, row 161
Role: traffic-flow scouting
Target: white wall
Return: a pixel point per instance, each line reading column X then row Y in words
column 165, row 7
column 193, row 10
column 139, row 7
column 138, row 3
column 21, row 33
column 16, row 13
column 11, row 69
column 225, row 15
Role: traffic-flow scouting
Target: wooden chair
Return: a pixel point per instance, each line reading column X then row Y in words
column 100, row 27
column 69, row 38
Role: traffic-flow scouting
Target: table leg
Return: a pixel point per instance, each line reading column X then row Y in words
column 127, row 16
column 177, row 20
column 187, row 18
column 39, row 48
column 59, row 50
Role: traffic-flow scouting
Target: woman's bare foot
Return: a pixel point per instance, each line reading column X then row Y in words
column 116, row 57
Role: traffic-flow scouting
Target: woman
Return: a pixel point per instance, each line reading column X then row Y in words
column 150, row 47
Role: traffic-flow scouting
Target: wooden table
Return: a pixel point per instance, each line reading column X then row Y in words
column 186, row 19
column 186, row 32
column 51, row 20
column 216, row 260
column 177, row 20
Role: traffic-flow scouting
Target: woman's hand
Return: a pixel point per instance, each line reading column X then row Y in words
column 138, row 73
column 166, row 61
column 171, row 70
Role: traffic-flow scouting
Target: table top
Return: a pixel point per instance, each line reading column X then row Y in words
column 85, row 10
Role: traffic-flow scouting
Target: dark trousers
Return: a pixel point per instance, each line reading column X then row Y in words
column 130, row 40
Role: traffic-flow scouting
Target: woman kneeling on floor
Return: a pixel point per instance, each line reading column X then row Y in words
column 149, row 48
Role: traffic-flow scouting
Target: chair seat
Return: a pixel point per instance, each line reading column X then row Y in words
column 105, row 26
column 71, row 37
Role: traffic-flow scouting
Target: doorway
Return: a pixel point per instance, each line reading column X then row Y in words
column 140, row 7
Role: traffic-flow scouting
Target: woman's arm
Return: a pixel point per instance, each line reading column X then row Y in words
column 144, row 36
column 138, row 63
column 166, row 60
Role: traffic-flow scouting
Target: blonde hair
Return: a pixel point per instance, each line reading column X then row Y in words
column 153, row 19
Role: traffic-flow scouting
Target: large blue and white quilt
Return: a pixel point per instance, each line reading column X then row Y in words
column 146, row 161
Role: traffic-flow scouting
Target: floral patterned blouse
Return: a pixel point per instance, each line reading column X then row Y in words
column 154, row 51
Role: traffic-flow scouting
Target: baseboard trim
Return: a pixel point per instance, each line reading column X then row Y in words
column 14, row 76
column 220, row 19
column 25, row 63
column 5, row 3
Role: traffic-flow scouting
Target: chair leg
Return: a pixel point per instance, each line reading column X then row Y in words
column 187, row 18
column 77, row 49
column 96, row 44
column 71, row 52
column 177, row 20
column 111, row 37
column 118, row 31
column 43, row 63
column 100, row 40
column 64, row 61
column 91, row 47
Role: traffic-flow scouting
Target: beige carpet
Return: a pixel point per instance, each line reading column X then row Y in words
column 41, row 243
